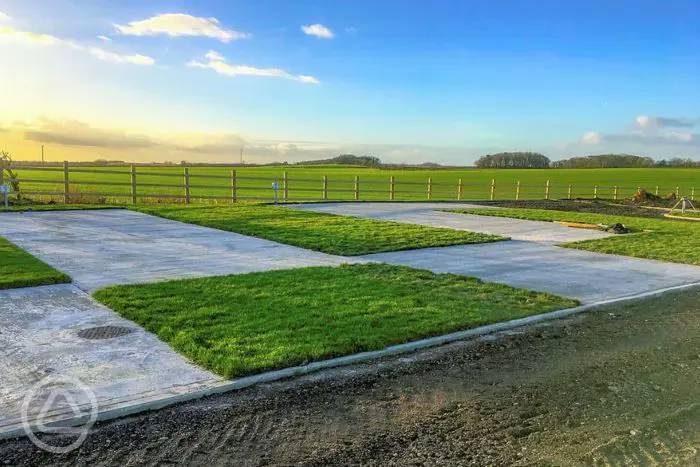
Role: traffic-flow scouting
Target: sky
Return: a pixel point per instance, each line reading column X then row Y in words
column 406, row 81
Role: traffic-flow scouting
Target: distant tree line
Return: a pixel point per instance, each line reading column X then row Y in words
column 347, row 159
column 604, row 161
column 678, row 162
column 621, row 161
column 533, row 160
column 513, row 160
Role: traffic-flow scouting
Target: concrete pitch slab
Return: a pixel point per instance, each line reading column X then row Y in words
column 531, row 260
column 106, row 247
column 39, row 338
column 431, row 214
column 583, row 275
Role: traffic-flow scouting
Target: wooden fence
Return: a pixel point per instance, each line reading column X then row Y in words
column 149, row 183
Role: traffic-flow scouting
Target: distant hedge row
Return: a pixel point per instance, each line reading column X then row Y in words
column 534, row 160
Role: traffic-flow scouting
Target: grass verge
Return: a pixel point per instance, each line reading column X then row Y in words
column 339, row 235
column 20, row 269
column 244, row 324
column 670, row 240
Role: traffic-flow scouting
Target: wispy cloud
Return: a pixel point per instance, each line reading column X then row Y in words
column 104, row 38
column 107, row 56
column 318, row 30
column 8, row 33
column 75, row 133
column 647, row 122
column 217, row 62
column 650, row 131
column 180, row 24
column 4, row 17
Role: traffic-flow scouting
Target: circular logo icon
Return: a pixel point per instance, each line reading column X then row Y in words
column 59, row 405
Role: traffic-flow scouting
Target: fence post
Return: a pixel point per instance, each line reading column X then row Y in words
column 392, row 188
column 546, row 190
column 595, row 192
column 132, row 175
column 459, row 189
column 430, row 188
column 517, row 191
column 66, row 183
column 325, row 187
column 569, row 193
column 357, row 187
column 285, row 186
column 692, row 194
column 234, row 188
column 656, row 192
column 615, row 193
column 678, row 192
column 186, row 172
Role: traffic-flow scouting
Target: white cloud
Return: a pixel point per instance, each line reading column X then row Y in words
column 682, row 136
column 4, row 17
column 318, row 30
column 215, row 61
column 134, row 59
column 591, row 137
column 308, row 79
column 180, row 24
column 104, row 38
column 663, row 134
column 215, row 56
column 11, row 34
column 646, row 122
column 32, row 38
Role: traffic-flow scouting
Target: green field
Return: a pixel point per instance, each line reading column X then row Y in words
column 306, row 183
column 242, row 324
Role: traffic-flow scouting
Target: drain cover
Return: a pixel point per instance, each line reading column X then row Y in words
column 104, row 332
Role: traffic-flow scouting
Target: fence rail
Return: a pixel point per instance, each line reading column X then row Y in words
column 138, row 183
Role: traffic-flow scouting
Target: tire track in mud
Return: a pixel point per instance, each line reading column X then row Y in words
column 605, row 388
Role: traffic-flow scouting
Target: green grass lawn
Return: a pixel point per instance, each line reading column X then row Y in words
column 666, row 240
column 20, row 269
column 411, row 184
column 244, row 324
column 340, row 235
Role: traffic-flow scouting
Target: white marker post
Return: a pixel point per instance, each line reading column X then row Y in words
column 5, row 191
column 275, row 189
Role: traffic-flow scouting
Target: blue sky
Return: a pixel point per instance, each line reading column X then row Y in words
column 406, row 81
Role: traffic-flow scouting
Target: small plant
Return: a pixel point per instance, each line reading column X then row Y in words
column 5, row 161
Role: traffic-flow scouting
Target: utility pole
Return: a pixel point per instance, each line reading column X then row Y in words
column 42, row 154
column 241, row 155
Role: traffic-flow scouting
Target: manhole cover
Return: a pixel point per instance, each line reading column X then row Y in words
column 104, row 332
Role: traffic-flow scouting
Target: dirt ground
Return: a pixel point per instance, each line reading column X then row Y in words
column 619, row 208
column 611, row 387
